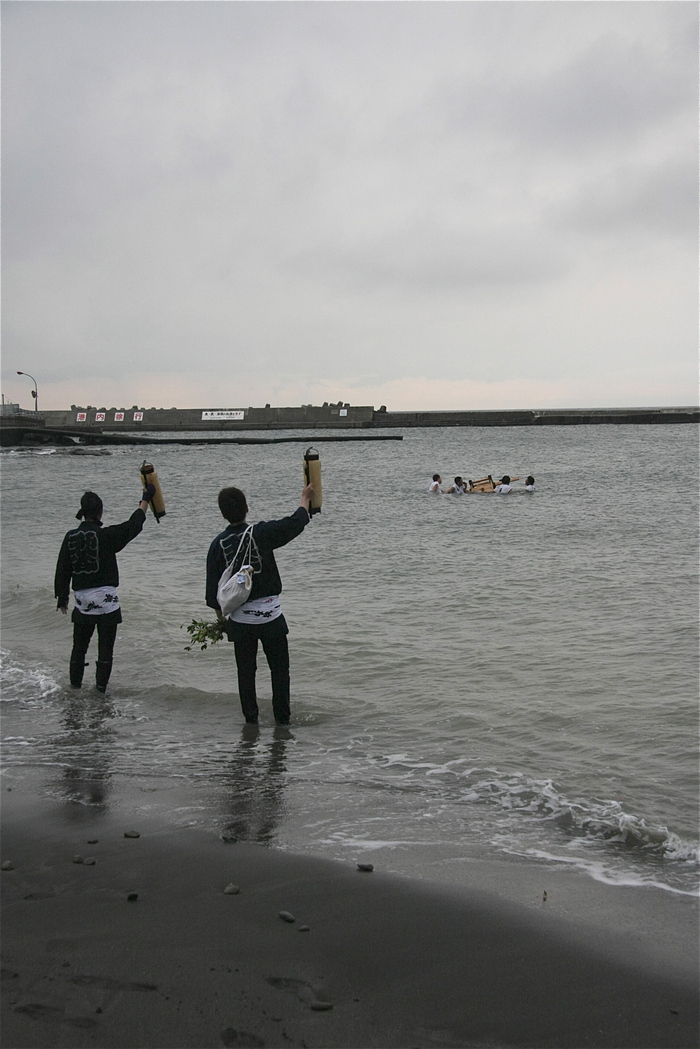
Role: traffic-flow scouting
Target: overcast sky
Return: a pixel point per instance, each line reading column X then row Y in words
column 420, row 204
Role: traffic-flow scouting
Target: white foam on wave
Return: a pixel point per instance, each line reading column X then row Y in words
column 21, row 684
column 539, row 800
column 13, row 452
column 599, row 871
column 366, row 844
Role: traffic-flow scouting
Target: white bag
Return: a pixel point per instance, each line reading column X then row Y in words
column 235, row 584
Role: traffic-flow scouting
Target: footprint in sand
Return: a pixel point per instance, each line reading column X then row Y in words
column 303, row 990
column 240, row 1039
column 53, row 1014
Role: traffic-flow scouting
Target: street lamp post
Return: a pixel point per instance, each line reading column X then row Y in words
column 35, row 391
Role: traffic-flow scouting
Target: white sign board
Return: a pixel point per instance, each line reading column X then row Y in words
column 224, row 414
column 138, row 417
column 100, row 417
column 343, row 411
column 119, row 417
column 81, row 417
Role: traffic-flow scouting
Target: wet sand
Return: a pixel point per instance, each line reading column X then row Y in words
column 370, row 959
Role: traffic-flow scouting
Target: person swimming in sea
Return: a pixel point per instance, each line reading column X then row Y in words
column 435, row 486
column 458, row 488
column 529, row 483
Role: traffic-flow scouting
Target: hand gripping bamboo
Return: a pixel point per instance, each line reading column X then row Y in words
column 149, row 476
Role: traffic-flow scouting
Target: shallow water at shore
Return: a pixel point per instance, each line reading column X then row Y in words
column 478, row 675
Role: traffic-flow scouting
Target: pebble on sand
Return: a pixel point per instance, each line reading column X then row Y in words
column 132, row 896
column 78, row 859
column 304, row 928
column 231, row 889
column 321, row 1007
column 8, row 865
column 287, row 917
column 89, row 861
column 365, row 867
column 131, row 834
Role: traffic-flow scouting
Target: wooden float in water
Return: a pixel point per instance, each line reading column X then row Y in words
column 486, row 484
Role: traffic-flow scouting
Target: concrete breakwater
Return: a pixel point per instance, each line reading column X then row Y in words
column 92, row 425
column 346, row 416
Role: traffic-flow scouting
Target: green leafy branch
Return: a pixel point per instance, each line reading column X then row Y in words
column 204, row 634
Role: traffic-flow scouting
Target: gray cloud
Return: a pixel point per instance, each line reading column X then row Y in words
column 426, row 257
column 645, row 202
column 334, row 192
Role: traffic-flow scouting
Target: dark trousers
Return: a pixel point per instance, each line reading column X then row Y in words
column 83, row 629
column 245, row 639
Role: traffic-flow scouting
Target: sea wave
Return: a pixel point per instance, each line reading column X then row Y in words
column 15, row 452
column 539, row 800
column 22, row 683
column 603, row 872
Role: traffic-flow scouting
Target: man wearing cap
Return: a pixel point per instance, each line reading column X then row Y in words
column 87, row 559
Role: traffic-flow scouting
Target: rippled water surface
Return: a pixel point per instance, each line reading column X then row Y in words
column 471, row 675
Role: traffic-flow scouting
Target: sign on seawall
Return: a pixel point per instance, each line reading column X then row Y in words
column 228, row 414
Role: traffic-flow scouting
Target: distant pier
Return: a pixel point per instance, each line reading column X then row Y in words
column 92, row 425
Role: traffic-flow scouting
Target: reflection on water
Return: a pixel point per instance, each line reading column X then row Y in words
column 254, row 782
column 84, row 753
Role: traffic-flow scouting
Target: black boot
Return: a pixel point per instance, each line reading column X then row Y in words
column 77, row 669
column 104, row 669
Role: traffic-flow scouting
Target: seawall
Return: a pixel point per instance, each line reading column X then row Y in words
column 93, row 425
column 311, row 417
column 540, row 417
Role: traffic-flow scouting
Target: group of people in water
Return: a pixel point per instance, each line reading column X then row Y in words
column 460, row 486
column 87, row 565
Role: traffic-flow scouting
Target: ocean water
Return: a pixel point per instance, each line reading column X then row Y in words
column 471, row 676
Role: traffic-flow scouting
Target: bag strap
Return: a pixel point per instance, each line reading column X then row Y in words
column 249, row 533
column 249, row 551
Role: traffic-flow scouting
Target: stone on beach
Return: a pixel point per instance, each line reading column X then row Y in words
column 131, row 834
column 8, row 865
column 231, row 889
column 287, row 917
column 367, row 867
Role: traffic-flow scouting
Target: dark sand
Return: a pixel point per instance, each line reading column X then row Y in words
column 402, row 963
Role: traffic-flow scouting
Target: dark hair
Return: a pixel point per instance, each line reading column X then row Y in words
column 530, row 479
column 90, row 507
column 505, row 479
column 233, row 505
column 436, row 477
column 458, row 480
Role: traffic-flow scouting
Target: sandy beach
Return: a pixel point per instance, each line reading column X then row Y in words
column 124, row 941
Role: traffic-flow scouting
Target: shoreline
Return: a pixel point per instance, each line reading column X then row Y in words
column 387, row 960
